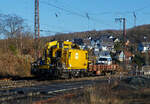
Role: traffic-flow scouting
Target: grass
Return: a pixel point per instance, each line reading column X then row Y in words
column 109, row 94
column 99, row 94
column 14, row 65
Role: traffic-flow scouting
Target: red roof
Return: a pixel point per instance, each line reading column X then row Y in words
column 128, row 54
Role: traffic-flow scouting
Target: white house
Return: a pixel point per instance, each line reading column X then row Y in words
column 144, row 47
column 107, row 46
column 146, row 70
column 125, row 56
column 116, row 40
column 121, row 56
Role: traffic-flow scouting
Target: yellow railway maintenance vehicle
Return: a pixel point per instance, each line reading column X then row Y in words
column 62, row 59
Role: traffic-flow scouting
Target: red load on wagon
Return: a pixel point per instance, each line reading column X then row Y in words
column 99, row 69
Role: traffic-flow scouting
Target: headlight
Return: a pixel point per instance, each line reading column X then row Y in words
column 70, row 65
column 33, row 64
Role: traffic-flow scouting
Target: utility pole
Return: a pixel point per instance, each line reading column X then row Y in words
column 134, row 14
column 124, row 37
column 36, row 27
column 87, row 16
column 147, row 56
column 124, row 27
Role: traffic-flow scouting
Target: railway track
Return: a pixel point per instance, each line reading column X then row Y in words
column 18, row 93
column 28, row 92
column 14, row 84
column 9, row 83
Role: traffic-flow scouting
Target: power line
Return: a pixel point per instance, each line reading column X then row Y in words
column 88, row 15
column 57, row 32
column 125, row 12
column 50, row 31
column 142, row 8
column 63, row 9
column 75, row 13
column 50, row 26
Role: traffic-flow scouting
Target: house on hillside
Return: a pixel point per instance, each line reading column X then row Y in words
column 93, row 42
column 124, row 56
column 104, row 42
column 128, row 56
column 107, row 46
column 106, row 36
column 144, row 47
column 99, row 45
column 107, row 43
column 78, row 41
column 115, row 40
column 104, row 54
column 120, row 56
column 146, row 70
column 96, row 51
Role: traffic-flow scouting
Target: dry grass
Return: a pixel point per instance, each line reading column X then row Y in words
column 99, row 94
column 14, row 65
column 105, row 93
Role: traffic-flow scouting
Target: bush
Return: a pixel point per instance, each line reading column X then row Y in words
column 139, row 60
column 13, row 49
column 11, row 65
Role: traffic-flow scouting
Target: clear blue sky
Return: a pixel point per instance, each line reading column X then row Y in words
column 72, row 15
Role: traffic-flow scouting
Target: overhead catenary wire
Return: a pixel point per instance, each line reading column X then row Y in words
column 63, row 9
column 88, row 16
column 50, row 31
column 96, row 21
column 124, row 12
column 46, row 26
column 142, row 8
column 76, row 13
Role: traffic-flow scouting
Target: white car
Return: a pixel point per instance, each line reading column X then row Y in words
column 107, row 61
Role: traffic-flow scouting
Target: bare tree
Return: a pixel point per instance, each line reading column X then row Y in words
column 12, row 27
column 1, row 26
column 3, row 44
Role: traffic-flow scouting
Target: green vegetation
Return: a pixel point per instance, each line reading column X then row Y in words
column 139, row 59
column 13, row 49
column 118, row 46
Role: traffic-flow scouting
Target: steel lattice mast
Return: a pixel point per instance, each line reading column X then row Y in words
column 36, row 27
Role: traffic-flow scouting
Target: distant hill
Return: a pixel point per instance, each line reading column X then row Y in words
column 135, row 34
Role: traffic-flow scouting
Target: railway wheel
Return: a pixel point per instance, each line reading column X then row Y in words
column 65, row 76
column 81, row 74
